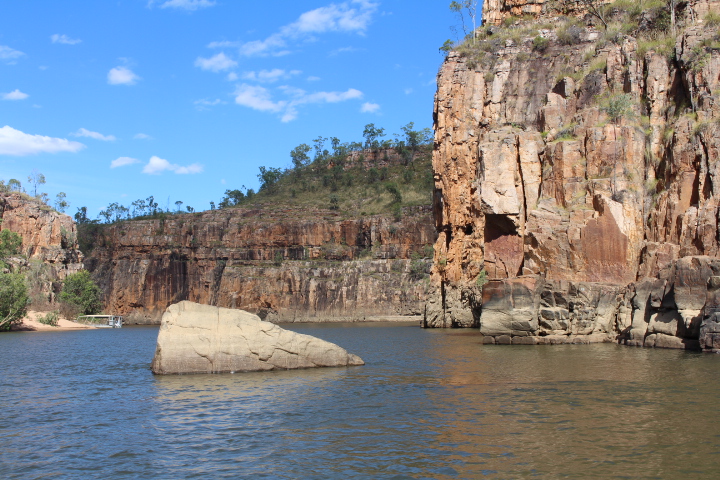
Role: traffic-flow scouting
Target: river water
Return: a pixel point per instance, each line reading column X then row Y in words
column 428, row 404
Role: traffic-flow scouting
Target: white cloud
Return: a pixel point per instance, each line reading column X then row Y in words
column 313, row 79
column 9, row 54
column 190, row 5
column 330, row 97
column 257, row 98
column 83, row 132
column 15, row 142
column 260, row 98
column 338, row 51
column 350, row 17
column 122, row 76
column 64, row 39
column 205, row 104
column 368, row 107
column 341, row 17
column 142, row 136
column 15, row 95
column 264, row 47
column 157, row 165
column 224, row 44
column 270, row 75
column 232, row 76
column 216, row 63
column 408, row 91
column 123, row 161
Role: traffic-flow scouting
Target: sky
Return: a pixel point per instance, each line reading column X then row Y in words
column 114, row 101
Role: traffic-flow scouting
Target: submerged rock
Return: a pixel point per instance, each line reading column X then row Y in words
column 196, row 338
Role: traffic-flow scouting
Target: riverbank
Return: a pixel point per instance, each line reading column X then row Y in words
column 30, row 323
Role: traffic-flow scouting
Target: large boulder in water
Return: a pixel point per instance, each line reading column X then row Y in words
column 196, row 338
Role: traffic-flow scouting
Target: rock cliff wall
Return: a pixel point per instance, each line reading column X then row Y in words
column 574, row 167
column 48, row 238
column 285, row 265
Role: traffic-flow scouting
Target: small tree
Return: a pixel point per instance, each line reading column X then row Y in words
column 371, row 134
column 80, row 294
column 446, row 47
column 596, row 8
column 231, row 198
column 268, row 177
column 14, row 185
column 36, row 178
column 10, row 244
column 469, row 8
column 300, row 156
column 13, row 299
column 60, row 203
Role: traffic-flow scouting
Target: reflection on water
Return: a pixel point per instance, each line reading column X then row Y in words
column 428, row 404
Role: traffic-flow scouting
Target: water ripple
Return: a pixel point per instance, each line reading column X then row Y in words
column 428, row 404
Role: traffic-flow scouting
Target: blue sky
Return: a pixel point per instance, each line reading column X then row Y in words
column 181, row 99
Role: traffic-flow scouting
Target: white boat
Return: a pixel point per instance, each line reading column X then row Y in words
column 101, row 321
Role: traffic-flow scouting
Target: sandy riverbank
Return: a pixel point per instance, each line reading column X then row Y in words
column 31, row 324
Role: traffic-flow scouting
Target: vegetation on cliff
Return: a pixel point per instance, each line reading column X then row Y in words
column 579, row 145
column 353, row 179
column 375, row 176
column 13, row 291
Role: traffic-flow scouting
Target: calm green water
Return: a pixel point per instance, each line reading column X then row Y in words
column 428, row 404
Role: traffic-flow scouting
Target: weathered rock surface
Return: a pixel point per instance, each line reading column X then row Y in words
column 583, row 225
column 196, row 338
column 48, row 237
column 284, row 265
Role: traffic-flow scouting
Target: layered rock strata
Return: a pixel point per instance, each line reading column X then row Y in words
column 577, row 176
column 49, row 239
column 196, row 338
column 284, row 265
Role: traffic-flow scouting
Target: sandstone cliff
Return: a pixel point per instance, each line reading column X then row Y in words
column 284, row 264
column 575, row 166
column 49, row 242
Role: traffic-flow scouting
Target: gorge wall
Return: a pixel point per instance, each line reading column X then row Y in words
column 284, row 264
column 576, row 169
column 49, row 243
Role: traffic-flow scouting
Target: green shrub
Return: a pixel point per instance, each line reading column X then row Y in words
column 51, row 318
column 570, row 34
column 13, row 299
column 81, row 293
column 482, row 279
column 540, row 44
column 418, row 269
column 10, row 244
column 712, row 19
column 394, row 191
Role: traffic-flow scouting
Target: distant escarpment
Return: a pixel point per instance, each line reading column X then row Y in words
column 285, row 264
column 49, row 244
column 577, row 178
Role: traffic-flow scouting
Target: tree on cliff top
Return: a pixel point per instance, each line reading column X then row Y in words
column 469, row 8
column 36, row 178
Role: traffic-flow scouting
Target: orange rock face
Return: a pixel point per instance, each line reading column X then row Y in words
column 536, row 183
column 47, row 236
column 270, row 262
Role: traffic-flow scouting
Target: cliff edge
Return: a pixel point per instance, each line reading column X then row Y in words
column 576, row 174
